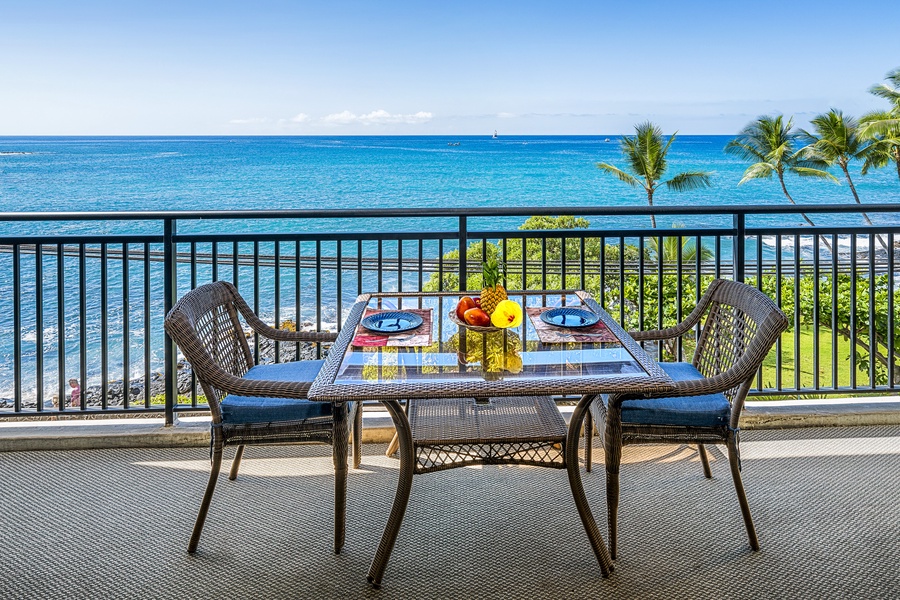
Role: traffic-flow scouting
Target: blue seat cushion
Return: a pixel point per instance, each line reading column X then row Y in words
column 259, row 409
column 709, row 410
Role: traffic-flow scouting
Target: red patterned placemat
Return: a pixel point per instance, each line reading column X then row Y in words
column 420, row 336
column 551, row 334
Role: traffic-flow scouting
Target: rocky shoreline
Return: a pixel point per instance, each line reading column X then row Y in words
column 116, row 390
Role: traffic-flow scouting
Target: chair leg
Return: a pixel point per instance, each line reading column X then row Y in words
column 735, row 462
column 357, row 435
column 207, row 497
column 588, row 439
column 394, row 444
column 704, row 460
column 612, row 446
column 236, row 463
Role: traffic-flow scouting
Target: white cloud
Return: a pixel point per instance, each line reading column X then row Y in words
column 300, row 118
column 506, row 115
column 341, row 118
column 377, row 117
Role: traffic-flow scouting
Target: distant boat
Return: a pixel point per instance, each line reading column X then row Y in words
column 606, row 140
column 495, row 134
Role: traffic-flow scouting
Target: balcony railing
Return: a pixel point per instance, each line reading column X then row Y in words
column 89, row 306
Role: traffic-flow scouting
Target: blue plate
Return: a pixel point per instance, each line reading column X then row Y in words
column 392, row 322
column 569, row 317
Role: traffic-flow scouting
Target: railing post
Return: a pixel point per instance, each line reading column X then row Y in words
column 170, row 266
column 740, row 230
column 463, row 246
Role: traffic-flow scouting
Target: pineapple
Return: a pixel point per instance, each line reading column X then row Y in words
column 494, row 292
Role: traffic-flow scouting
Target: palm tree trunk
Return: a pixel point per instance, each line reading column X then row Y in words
column 807, row 219
column 650, row 202
column 856, row 197
column 791, row 200
column 853, row 189
column 897, row 160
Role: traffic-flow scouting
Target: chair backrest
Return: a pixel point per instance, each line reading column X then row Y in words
column 740, row 328
column 205, row 325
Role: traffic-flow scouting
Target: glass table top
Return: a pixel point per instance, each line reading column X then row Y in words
column 447, row 351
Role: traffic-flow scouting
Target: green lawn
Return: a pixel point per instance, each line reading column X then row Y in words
column 807, row 364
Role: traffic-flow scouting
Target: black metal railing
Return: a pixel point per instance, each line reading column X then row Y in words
column 89, row 306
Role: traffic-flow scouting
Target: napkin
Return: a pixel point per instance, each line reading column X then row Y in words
column 420, row 336
column 551, row 334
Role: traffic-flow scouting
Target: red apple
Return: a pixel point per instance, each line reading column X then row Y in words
column 465, row 303
column 477, row 317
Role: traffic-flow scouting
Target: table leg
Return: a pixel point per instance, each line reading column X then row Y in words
column 574, row 471
column 401, row 498
column 339, row 457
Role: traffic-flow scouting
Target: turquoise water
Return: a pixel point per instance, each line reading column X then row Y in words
column 359, row 173
column 196, row 173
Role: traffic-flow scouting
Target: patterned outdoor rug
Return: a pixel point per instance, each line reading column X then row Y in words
column 115, row 524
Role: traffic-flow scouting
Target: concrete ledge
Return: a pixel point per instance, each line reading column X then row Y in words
column 378, row 428
column 138, row 433
column 105, row 433
column 781, row 414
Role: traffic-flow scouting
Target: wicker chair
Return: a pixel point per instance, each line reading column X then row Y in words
column 741, row 324
column 262, row 404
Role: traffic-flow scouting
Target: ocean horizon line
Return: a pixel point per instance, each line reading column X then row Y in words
column 360, row 135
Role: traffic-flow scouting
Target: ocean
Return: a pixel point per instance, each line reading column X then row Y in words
column 197, row 173
column 49, row 174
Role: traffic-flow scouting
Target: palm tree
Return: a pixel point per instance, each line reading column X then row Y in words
column 672, row 247
column 889, row 91
column 885, row 141
column 883, row 127
column 768, row 143
column 837, row 141
column 646, row 155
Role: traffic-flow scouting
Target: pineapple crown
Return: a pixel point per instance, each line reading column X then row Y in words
column 493, row 272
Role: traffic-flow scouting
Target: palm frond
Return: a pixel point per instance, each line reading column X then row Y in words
column 744, row 150
column 619, row 174
column 883, row 126
column 889, row 93
column 878, row 157
column 814, row 173
column 693, row 180
column 837, row 138
column 761, row 170
column 807, row 159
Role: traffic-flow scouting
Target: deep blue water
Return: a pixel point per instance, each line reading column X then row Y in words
column 364, row 173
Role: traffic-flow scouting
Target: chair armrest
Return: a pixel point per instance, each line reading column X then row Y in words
column 738, row 376
column 661, row 334
column 280, row 335
column 690, row 321
column 689, row 387
column 283, row 335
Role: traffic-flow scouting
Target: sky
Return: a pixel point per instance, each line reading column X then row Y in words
column 266, row 67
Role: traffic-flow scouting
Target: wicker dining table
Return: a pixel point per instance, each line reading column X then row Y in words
column 462, row 396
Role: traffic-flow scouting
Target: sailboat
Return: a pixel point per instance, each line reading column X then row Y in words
column 495, row 135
